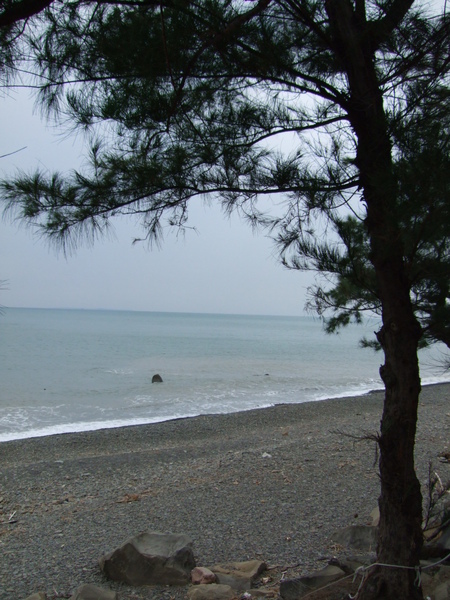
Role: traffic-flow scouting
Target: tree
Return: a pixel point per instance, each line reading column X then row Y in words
column 239, row 102
column 422, row 170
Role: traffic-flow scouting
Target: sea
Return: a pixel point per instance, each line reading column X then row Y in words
column 78, row 370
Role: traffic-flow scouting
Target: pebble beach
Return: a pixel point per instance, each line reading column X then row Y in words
column 271, row 484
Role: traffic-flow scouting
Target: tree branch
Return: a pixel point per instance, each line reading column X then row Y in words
column 380, row 30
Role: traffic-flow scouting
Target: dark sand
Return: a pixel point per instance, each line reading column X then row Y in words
column 271, row 484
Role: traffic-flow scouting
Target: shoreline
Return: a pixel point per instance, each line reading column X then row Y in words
column 270, row 483
column 65, row 429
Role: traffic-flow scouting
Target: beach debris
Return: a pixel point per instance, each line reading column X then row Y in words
column 11, row 520
column 129, row 498
column 93, row 592
column 157, row 378
column 202, row 576
column 212, row 591
column 266, row 455
column 151, row 558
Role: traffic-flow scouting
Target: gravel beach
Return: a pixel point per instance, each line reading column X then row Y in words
column 271, row 484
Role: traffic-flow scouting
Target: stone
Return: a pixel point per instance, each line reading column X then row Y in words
column 357, row 537
column 444, row 539
column 438, row 547
column 436, row 585
column 151, row 558
column 212, row 591
column 263, row 593
column 202, row 575
column 375, row 517
column 239, row 575
column 349, row 564
column 157, row 378
column 37, row 596
column 441, row 592
column 93, row 592
column 293, row 589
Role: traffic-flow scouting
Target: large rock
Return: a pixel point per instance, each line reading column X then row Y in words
column 239, row 575
column 437, row 584
column 439, row 547
column 444, row 539
column 211, row 591
column 442, row 592
column 151, row 558
column 37, row 596
column 92, row 592
column 293, row 589
column 359, row 537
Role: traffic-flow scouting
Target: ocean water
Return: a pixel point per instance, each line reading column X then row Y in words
column 78, row 370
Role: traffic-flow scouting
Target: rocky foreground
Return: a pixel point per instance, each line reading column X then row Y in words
column 268, row 485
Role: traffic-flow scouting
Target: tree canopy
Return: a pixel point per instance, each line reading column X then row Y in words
column 324, row 120
column 422, row 172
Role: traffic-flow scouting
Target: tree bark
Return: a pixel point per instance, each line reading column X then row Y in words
column 400, row 534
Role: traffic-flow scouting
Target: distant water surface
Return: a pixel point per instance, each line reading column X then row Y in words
column 75, row 370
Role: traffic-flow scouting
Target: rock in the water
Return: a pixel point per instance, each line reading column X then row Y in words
column 212, row 591
column 239, row 575
column 293, row 589
column 157, row 378
column 151, row 558
column 202, row 576
column 93, row 592
column 358, row 537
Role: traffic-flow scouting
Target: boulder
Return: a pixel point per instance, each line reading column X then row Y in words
column 212, row 591
column 437, row 584
column 157, row 378
column 349, row 564
column 239, row 575
column 442, row 591
column 37, row 596
column 293, row 589
column 357, row 537
column 92, row 592
column 444, row 539
column 151, row 558
column 202, row 576
column 262, row 593
column 438, row 547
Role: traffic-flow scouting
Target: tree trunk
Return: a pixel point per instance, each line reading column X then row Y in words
column 400, row 534
column 400, row 502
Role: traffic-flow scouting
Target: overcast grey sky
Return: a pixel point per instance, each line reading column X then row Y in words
column 223, row 267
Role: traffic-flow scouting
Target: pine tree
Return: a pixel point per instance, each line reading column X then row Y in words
column 240, row 102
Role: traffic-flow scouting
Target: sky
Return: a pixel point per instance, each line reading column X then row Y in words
column 221, row 267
